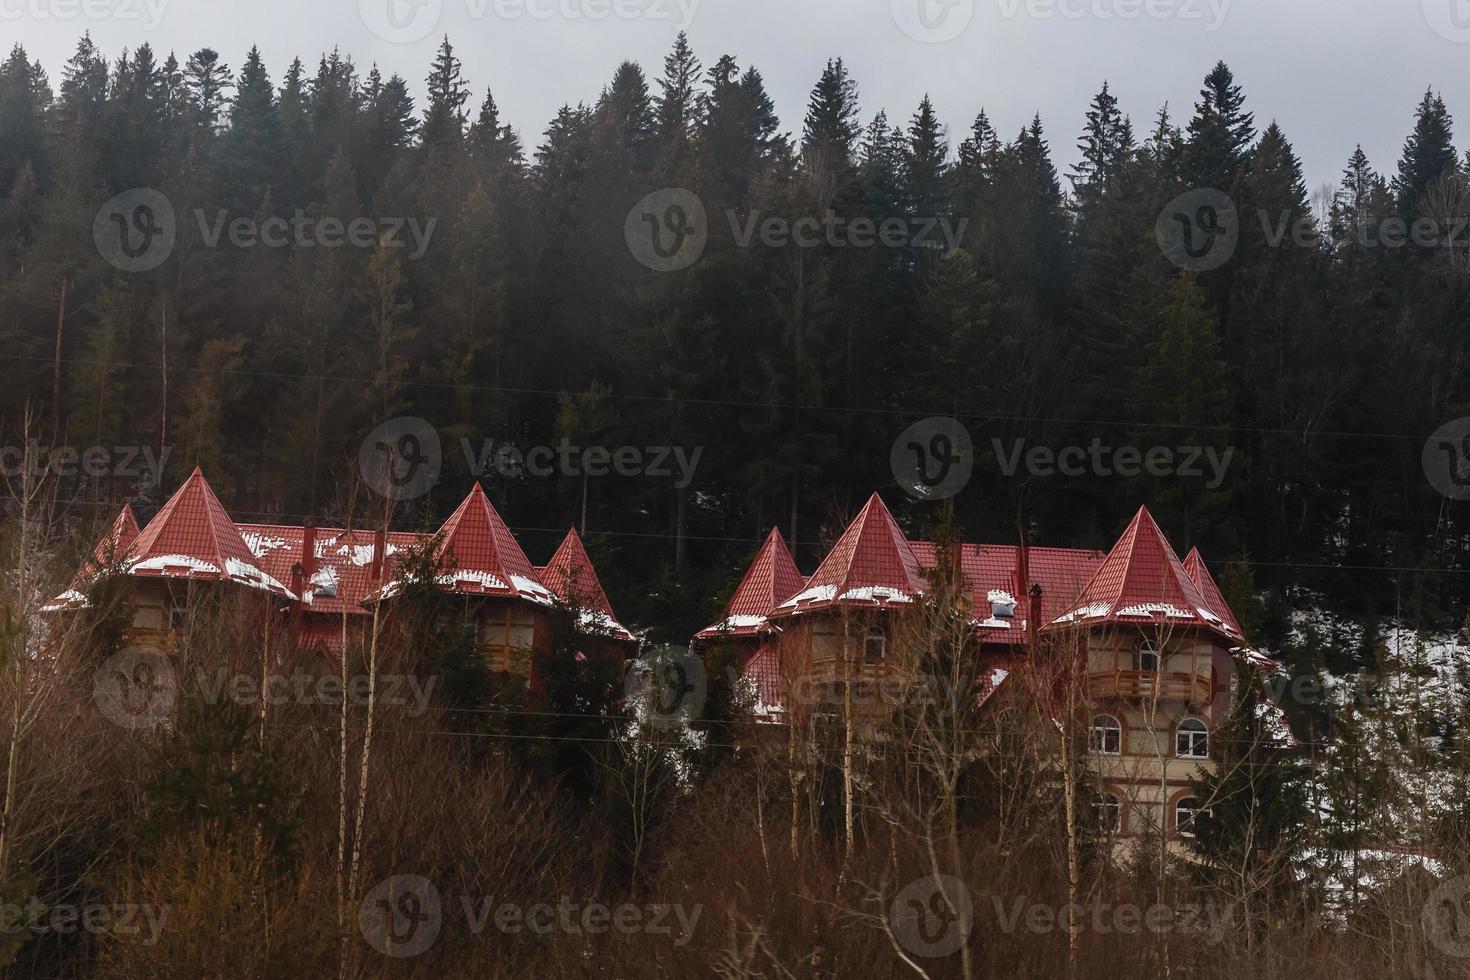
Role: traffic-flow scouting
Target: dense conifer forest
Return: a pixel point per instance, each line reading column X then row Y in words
column 496, row 296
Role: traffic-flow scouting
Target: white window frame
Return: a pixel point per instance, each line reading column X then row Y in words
column 1198, row 735
column 1148, row 648
column 1097, row 744
column 1194, row 812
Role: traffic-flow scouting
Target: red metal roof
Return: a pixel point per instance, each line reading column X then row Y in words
column 870, row 565
column 571, row 576
column 771, row 579
column 112, row 549
column 481, row 556
column 342, row 576
column 1142, row 581
column 193, row 537
column 1062, row 574
column 1200, row 575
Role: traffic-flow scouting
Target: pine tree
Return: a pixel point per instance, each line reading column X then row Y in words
column 1429, row 155
column 831, row 129
column 1221, row 132
column 444, row 117
column 924, row 161
column 253, row 140
column 1251, row 828
column 493, row 144
column 1101, row 147
column 25, row 98
column 680, row 107
column 206, row 79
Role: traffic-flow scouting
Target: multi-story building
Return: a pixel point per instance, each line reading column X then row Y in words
column 321, row 583
column 1154, row 642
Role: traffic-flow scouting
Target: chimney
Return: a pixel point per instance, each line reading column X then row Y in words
column 1033, row 616
column 308, row 549
column 380, row 545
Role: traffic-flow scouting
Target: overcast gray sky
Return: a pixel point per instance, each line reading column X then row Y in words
column 1332, row 72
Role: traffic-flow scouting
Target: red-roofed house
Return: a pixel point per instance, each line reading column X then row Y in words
column 323, row 581
column 1157, row 634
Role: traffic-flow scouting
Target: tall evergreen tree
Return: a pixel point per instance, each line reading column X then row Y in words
column 444, row 116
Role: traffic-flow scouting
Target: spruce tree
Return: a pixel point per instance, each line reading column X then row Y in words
column 444, row 116
column 1429, row 155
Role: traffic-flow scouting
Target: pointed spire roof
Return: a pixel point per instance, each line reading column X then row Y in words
column 771, row 579
column 119, row 539
column 1142, row 581
column 572, row 577
column 481, row 557
column 193, row 537
column 112, row 549
column 1199, row 574
column 871, row 564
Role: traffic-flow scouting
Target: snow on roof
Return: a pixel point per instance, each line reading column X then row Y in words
column 871, row 564
column 771, row 579
column 1143, row 579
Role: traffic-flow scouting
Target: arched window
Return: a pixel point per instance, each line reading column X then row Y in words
column 1107, row 735
column 1192, row 739
column 1184, row 813
column 1148, row 657
column 875, row 643
column 1108, row 813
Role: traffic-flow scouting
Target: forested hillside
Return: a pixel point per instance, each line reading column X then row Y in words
column 498, row 298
